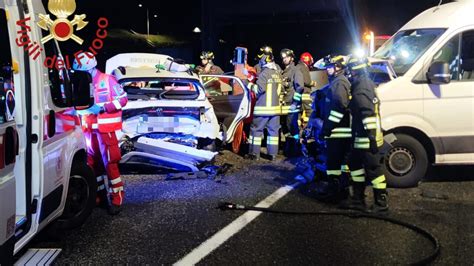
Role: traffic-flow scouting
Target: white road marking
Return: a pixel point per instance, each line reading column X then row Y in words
column 233, row 228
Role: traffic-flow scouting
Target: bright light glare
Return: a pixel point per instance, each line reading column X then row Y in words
column 405, row 54
column 359, row 53
column 140, row 5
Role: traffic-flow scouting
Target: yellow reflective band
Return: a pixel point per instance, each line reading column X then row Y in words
column 370, row 120
column 297, row 94
column 358, row 179
column 379, row 179
column 337, row 114
column 334, row 119
column 371, row 126
column 380, row 186
column 255, row 140
column 345, row 168
column 362, row 140
column 340, row 136
column 307, row 97
column 362, row 146
column 341, row 130
column 269, row 94
column 333, row 172
column 358, row 172
column 337, row 58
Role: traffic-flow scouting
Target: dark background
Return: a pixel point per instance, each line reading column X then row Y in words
column 318, row 26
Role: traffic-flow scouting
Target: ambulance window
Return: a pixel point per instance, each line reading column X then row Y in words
column 7, row 97
column 450, row 54
column 58, row 77
column 467, row 56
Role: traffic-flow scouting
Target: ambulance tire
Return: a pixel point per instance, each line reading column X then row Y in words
column 406, row 163
column 81, row 197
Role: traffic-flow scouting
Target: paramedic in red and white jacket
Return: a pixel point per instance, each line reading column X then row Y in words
column 99, row 124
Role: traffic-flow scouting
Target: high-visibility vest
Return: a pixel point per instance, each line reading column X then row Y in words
column 104, row 122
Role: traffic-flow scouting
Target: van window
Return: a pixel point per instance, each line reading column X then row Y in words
column 406, row 47
column 7, row 96
column 467, row 56
column 449, row 53
column 58, row 78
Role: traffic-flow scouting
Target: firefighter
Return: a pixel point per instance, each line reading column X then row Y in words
column 99, row 124
column 336, row 129
column 290, row 99
column 207, row 66
column 305, row 64
column 267, row 109
column 365, row 159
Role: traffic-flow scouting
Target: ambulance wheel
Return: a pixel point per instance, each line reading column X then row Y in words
column 406, row 163
column 81, row 197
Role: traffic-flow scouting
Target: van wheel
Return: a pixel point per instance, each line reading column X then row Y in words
column 81, row 197
column 406, row 162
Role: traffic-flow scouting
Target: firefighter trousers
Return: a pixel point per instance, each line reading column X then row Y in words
column 367, row 167
column 337, row 153
column 259, row 123
column 103, row 155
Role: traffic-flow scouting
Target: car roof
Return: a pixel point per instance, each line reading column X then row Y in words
column 451, row 15
column 148, row 72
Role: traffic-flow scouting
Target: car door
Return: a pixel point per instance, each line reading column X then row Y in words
column 8, row 144
column 449, row 108
column 230, row 99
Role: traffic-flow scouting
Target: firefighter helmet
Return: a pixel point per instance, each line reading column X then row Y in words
column 307, row 58
column 266, row 54
column 332, row 61
column 84, row 61
column 207, row 55
column 287, row 53
column 357, row 64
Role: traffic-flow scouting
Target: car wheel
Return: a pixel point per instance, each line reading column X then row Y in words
column 406, row 163
column 81, row 197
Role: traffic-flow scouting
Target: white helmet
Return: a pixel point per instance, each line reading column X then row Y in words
column 86, row 62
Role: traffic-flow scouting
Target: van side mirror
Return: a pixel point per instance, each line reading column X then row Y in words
column 438, row 73
column 82, row 90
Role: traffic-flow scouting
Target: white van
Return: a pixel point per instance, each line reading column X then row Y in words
column 43, row 172
column 429, row 106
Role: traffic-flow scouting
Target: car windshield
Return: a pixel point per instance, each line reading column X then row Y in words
column 161, row 88
column 406, row 47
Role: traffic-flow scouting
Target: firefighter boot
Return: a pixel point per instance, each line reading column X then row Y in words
column 116, row 202
column 380, row 201
column 357, row 200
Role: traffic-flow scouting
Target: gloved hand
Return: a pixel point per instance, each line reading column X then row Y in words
column 373, row 145
column 94, row 109
column 102, row 110
column 293, row 107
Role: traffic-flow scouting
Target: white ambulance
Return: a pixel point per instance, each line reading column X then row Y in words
column 43, row 172
column 429, row 106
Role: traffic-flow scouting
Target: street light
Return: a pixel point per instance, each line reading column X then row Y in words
column 197, row 30
column 147, row 20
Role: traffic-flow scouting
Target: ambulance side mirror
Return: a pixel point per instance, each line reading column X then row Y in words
column 82, row 90
column 438, row 73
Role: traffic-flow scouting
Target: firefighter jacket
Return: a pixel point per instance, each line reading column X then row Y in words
column 269, row 84
column 307, row 80
column 109, row 95
column 292, row 92
column 211, row 70
column 336, row 111
column 364, row 107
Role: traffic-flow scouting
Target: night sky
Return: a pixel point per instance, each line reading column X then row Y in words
column 317, row 26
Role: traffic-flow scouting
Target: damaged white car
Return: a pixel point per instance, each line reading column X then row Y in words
column 169, row 125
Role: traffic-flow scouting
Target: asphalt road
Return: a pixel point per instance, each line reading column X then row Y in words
column 163, row 221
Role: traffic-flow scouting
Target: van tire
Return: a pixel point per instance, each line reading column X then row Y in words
column 81, row 197
column 406, row 163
